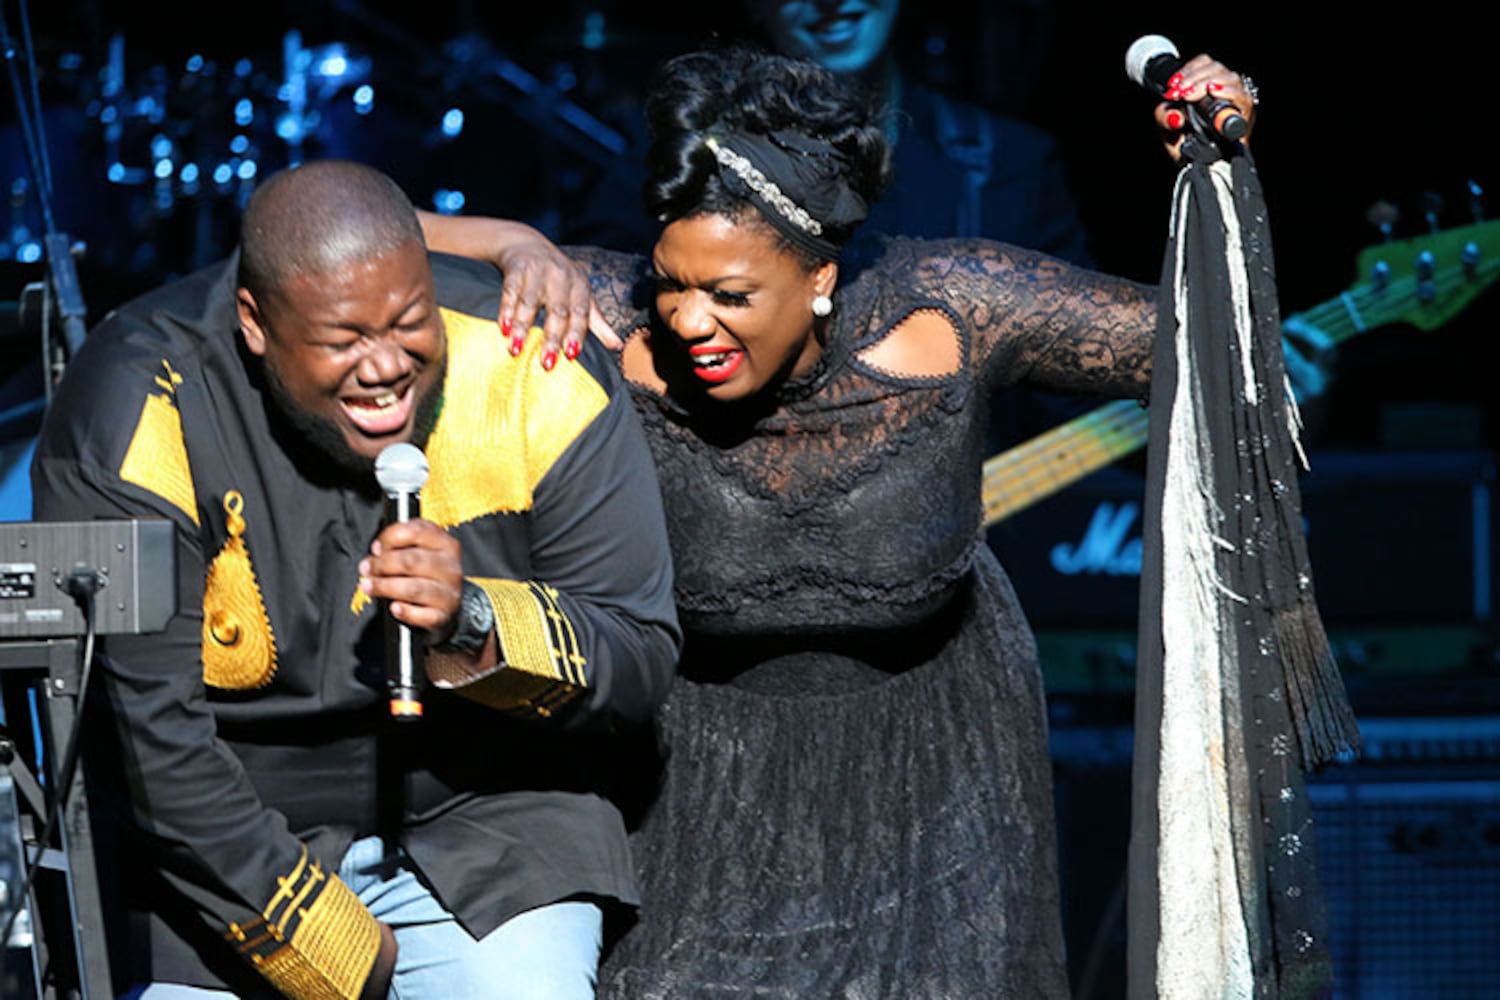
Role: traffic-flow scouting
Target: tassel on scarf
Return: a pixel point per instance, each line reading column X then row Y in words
column 1237, row 690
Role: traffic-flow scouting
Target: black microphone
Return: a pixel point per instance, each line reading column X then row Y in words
column 1152, row 60
column 401, row 471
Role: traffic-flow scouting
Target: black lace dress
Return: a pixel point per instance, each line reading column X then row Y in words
column 855, row 798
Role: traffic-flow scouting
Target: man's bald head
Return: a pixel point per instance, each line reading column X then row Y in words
column 318, row 218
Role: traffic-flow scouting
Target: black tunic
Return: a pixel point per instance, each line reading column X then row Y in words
column 856, row 793
column 249, row 734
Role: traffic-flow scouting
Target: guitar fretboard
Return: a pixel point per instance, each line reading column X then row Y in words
column 1032, row 471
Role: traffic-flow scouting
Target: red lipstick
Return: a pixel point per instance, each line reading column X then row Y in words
column 722, row 366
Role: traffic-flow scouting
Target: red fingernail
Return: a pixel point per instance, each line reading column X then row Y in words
column 1175, row 81
column 1174, row 94
column 549, row 359
column 1174, row 120
column 1215, row 86
column 517, row 344
column 571, row 349
column 505, row 326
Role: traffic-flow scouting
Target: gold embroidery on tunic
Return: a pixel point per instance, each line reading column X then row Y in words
column 239, row 647
column 321, row 944
column 503, row 425
column 521, row 622
column 542, row 668
column 156, row 459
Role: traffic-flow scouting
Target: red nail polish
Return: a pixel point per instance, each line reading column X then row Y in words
column 1174, row 120
column 505, row 326
column 517, row 344
column 1215, row 86
column 1174, row 94
column 571, row 349
column 1175, row 81
column 548, row 360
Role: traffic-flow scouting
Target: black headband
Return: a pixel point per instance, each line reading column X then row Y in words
column 796, row 181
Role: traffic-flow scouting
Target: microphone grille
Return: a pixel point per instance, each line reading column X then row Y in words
column 1142, row 51
column 401, row 468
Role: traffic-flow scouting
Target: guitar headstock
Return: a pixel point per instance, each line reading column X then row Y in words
column 1426, row 280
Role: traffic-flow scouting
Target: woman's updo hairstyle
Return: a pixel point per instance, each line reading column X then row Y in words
column 742, row 91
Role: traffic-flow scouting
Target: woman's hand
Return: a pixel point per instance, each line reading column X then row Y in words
column 537, row 275
column 1200, row 77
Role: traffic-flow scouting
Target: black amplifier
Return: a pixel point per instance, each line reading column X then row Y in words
column 136, row 560
column 1393, row 537
column 1408, row 842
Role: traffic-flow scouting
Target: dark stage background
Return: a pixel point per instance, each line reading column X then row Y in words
column 1360, row 107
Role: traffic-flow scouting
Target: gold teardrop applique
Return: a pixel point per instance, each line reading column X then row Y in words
column 239, row 648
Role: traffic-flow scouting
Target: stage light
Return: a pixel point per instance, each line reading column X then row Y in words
column 593, row 31
column 333, row 66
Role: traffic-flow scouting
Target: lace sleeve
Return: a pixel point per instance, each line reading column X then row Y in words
column 617, row 281
column 1033, row 318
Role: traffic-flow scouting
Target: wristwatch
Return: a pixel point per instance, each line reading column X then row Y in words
column 472, row 625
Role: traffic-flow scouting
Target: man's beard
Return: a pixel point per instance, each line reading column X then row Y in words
column 323, row 440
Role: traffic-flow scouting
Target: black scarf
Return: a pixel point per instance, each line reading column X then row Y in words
column 1237, row 692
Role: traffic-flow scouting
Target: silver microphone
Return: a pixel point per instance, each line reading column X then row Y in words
column 401, row 471
column 1151, row 62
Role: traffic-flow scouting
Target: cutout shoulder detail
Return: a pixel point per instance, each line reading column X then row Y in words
column 923, row 345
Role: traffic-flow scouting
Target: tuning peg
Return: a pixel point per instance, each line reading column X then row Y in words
column 1383, row 216
column 1432, row 207
column 1426, row 265
column 1476, row 201
column 1470, row 258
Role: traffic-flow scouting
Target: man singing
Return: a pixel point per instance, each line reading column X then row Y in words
column 281, row 834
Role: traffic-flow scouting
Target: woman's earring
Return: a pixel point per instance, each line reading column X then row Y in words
column 822, row 305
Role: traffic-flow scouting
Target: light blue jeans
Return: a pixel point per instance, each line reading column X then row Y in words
column 549, row 953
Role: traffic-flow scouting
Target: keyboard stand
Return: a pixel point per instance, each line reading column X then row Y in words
column 39, row 694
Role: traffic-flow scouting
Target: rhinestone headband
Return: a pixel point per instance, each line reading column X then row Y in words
column 765, row 188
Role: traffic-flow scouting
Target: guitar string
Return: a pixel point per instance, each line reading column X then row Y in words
column 1112, row 430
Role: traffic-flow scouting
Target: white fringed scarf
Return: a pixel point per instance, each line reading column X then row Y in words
column 1237, row 692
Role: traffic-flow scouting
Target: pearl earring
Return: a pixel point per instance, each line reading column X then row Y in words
column 822, row 305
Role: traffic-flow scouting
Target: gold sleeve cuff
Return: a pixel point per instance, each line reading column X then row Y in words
column 541, row 666
column 315, row 940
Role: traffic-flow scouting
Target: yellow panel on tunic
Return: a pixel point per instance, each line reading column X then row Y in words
column 157, row 459
column 504, row 422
